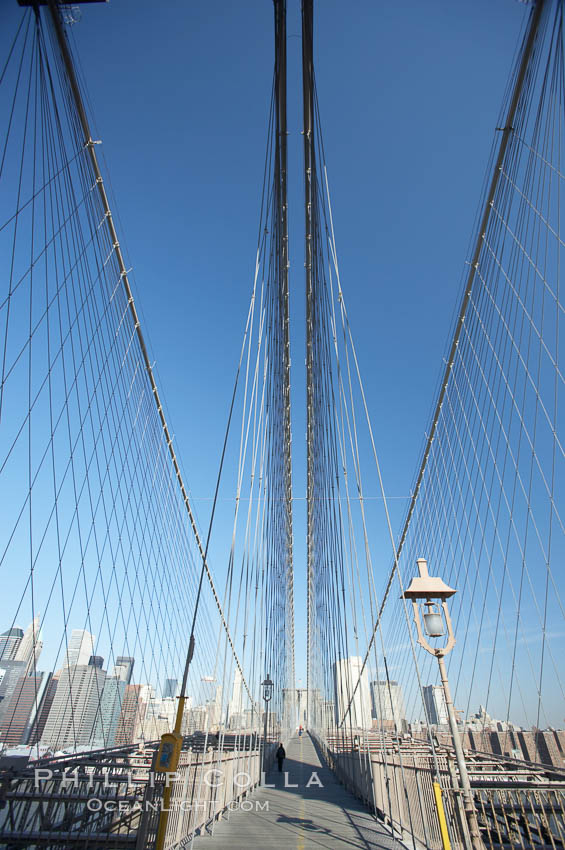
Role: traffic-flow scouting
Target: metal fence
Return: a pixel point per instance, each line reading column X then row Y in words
column 114, row 798
column 522, row 817
column 94, row 799
column 206, row 786
column 519, row 805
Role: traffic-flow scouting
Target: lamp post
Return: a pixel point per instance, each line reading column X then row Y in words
column 267, row 686
column 428, row 595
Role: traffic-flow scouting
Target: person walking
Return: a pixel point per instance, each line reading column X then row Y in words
column 281, row 755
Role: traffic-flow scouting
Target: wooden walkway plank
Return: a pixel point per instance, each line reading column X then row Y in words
column 318, row 813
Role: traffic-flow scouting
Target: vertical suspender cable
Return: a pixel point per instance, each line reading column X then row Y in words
column 283, row 266
column 90, row 146
column 309, row 183
column 506, row 133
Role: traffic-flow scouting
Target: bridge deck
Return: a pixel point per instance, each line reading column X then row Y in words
column 302, row 818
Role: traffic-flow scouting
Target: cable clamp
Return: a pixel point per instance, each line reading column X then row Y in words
column 125, row 274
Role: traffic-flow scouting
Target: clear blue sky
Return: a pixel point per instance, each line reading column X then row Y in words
column 409, row 96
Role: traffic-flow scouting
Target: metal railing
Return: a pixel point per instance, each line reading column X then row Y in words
column 114, row 798
column 205, row 786
column 94, row 798
column 518, row 804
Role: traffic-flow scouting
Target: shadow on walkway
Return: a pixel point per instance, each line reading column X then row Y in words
column 306, row 808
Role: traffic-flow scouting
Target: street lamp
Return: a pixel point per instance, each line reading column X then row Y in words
column 267, row 686
column 429, row 594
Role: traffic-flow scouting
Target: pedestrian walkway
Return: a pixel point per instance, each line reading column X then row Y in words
column 318, row 813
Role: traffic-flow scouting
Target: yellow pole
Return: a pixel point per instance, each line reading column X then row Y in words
column 164, row 815
column 446, row 843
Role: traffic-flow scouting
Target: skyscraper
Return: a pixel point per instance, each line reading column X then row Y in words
column 10, row 673
column 110, row 708
column 210, row 700
column 22, row 704
column 80, row 648
column 159, row 717
column 9, row 643
column 434, row 699
column 387, row 704
column 170, row 689
column 214, row 708
column 123, row 668
column 132, row 716
column 40, row 709
column 35, row 732
column 350, row 689
column 30, row 645
column 235, row 706
column 75, row 707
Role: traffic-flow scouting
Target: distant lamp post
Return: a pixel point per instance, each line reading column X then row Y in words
column 428, row 595
column 267, row 686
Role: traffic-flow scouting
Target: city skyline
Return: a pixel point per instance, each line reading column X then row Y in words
column 83, row 706
column 281, row 402
column 88, row 704
column 442, row 291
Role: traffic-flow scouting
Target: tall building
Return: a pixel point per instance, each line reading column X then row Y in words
column 195, row 720
column 30, row 646
column 110, row 708
column 387, row 704
column 211, row 700
column 132, row 716
column 75, row 707
column 436, row 708
column 235, row 706
column 9, row 643
column 35, row 732
column 346, row 677
column 123, row 668
column 214, row 708
column 41, row 702
column 23, row 703
column 80, row 648
column 10, row 674
column 159, row 717
column 147, row 693
column 170, row 689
